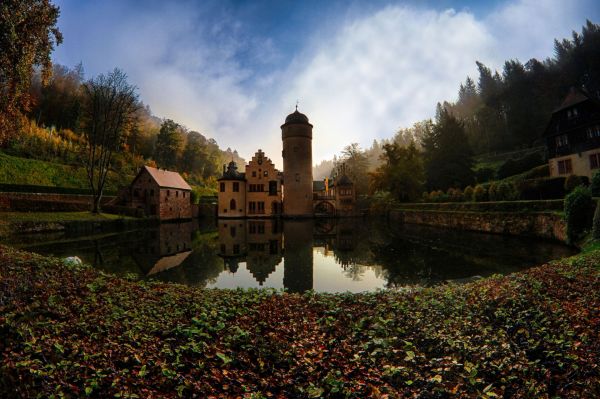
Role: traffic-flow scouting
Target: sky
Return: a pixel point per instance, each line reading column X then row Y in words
column 360, row 70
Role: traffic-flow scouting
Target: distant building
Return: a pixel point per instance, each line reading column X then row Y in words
column 263, row 191
column 573, row 136
column 160, row 193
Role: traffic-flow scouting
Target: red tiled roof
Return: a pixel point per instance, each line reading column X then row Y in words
column 167, row 178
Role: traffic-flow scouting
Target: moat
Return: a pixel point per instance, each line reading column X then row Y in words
column 325, row 255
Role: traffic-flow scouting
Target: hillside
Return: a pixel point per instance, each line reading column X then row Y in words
column 16, row 170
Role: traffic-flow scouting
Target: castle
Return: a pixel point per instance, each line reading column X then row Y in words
column 263, row 191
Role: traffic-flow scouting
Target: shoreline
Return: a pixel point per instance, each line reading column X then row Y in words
column 530, row 333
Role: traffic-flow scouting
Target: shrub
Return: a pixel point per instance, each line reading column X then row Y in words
column 596, row 226
column 506, row 192
column 515, row 166
column 382, row 201
column 454, row 194
column 578, row 206
column 468, row 194
column 492, row 192
column 541, row 189
column 484, row 174
column 425, row 197
column 480, row 193
column 595, row 184
column 571, row 182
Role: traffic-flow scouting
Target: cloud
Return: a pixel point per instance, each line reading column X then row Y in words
column 359, row 77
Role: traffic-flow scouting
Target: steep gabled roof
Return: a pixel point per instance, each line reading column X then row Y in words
column 167, row 178
column 574, row 97
column 343, row 181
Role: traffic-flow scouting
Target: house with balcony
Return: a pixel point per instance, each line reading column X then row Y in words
column 573, row 135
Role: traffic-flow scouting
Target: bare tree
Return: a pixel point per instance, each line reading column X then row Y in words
column 110, row 106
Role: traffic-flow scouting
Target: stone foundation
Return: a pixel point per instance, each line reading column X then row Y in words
column 532, row 224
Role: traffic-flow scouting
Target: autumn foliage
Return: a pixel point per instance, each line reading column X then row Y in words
column 73, row 331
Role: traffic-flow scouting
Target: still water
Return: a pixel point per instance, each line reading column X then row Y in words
column 323, row 255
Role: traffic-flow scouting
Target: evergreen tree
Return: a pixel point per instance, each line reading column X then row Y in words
column 447, row 153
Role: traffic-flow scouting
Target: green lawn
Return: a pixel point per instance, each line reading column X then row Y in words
column 76, row 332
column 16, row 170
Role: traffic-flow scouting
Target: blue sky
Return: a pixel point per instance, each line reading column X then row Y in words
column 233, row 70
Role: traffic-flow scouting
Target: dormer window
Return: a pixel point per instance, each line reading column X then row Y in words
column 562, row 140
column 572, row 113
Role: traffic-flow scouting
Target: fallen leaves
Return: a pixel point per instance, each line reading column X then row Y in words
column 74, row 331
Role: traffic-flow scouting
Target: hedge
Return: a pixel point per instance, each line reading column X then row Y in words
column 498, row 206
column 25, row 188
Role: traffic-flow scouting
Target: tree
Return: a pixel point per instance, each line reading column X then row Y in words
column 401, row 173
column 356, row 167
column 110, row 104
column 168, row 144
column 448, row 156
column 194, row 155
column 28, row 34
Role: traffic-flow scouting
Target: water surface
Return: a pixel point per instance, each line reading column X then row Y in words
column 323, row 255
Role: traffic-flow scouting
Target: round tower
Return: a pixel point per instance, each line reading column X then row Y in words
column 296, row 134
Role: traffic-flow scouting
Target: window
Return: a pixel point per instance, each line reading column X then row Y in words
column 152, row 193
column 136, row 193
column 266, row 173
column 595, row 161
column 177, row 193
column 273, row 187
column 168, row 193
column 222, row 187
column 252, row 207
column 253, row 173
column 236, row 249
column 223, row 248
column 565, row 167
column 232, row 205
column 593, row 132
column 232, row 231
column 236, row 187
column 184, row 194
column 259, row 173
column 562, row 140
column 572, row 113
column 261, row 207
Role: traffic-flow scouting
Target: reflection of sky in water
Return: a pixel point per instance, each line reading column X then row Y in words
column 328, row 276
column 242, row 278
column 346, row 255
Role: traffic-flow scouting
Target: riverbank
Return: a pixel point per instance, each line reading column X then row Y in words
column 71, row 222
column 75, row 331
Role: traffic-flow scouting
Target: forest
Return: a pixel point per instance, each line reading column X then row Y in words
column 45, row 109
column 491, row 132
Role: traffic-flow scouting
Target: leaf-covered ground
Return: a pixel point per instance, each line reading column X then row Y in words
column 75, row 332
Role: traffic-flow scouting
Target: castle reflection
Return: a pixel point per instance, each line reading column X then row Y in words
column 325, row 255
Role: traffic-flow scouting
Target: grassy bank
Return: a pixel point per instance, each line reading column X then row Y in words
column 73, row 331
column 25, row 171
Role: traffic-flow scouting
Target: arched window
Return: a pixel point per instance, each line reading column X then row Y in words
column 232, row 205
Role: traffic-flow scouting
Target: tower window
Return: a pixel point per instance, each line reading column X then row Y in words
column 222, row 187
column 236, row 187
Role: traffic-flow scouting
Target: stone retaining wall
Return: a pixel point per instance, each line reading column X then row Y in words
column 532, row 224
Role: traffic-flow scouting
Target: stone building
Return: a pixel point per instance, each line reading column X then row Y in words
column 254, row 193
column 263, row 191
column 573, row 136
column 296, row 134
column 160, row 193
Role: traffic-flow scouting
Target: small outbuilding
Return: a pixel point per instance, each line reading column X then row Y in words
column 160, row 193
